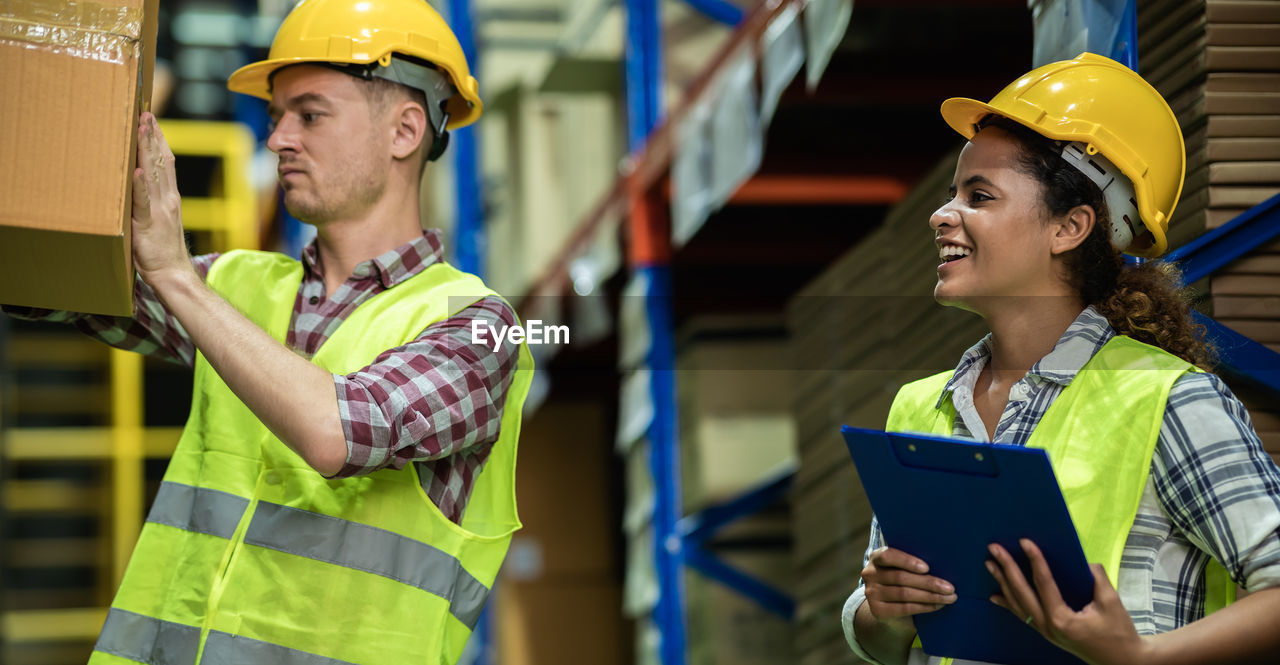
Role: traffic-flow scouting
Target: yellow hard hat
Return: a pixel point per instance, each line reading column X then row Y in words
column 1112, row 111
column 366, row 32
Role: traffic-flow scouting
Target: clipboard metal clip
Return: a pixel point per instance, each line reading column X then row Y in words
column 949, row 456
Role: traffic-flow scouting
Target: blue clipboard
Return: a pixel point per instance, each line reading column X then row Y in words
column 943, row 500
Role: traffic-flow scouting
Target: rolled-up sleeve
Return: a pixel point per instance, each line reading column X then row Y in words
column 1216, row 482
column 152, row 330
column 859, row 596
column 440, row 395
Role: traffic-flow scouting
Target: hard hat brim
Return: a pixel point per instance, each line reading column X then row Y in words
column 254, row 79
column 963, row 115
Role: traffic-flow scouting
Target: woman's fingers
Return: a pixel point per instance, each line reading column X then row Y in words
column 1046, row 588
column 893, row 593
column 906, row 579
column 1006, row 598
column 896, row 601
column 897, row 585
column 1017, row 591
column 887, row 557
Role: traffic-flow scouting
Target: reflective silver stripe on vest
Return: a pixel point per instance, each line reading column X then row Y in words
column 198, row 509
column 227, row 649
column 143, row 638
column 372, row 550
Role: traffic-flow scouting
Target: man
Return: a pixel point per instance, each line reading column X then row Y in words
column 344, row 489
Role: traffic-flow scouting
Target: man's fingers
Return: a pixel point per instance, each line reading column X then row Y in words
column 144, row 144
column 150, row 158
column 141, row 197
column 161, row 154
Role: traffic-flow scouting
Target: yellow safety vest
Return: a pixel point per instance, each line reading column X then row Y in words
column 250, row 556
column 1100, row 434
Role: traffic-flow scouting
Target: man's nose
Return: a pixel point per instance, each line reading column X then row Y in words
column 280, row 137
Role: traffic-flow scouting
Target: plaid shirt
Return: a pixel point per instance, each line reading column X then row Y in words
column 1212, row 492
column 436, row 401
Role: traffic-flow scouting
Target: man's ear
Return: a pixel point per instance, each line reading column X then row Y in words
column 1072, row 229
column 411, row 129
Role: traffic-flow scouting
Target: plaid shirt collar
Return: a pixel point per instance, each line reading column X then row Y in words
column 1082, row 339
column 391, row 267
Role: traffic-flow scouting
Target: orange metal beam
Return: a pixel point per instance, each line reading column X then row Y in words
column 650, row 225
column 821, row 190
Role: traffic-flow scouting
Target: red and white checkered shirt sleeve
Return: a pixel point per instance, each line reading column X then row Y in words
column 152, row 331
column 438, row 396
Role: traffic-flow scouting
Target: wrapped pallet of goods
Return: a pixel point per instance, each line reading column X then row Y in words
column 75, row 75
column 1218, row 64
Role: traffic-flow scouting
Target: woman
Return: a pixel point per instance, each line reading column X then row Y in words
column 1066, row 168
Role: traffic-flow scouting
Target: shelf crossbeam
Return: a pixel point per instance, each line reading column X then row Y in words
column 697, row 529
column 1240, row 356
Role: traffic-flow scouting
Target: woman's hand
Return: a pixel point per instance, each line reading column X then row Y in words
column 898, row 587
column 1101, row 633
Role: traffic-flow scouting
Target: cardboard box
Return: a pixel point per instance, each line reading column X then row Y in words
column 561, row 623
column 564, row 496
column 75, row 78
column 735, row 385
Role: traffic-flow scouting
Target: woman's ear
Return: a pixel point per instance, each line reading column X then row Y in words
column 410, row 130
column 1072, row 229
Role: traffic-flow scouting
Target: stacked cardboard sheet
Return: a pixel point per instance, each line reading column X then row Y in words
column 1218, row 64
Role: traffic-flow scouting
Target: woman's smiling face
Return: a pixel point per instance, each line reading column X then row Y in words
column 993, row 242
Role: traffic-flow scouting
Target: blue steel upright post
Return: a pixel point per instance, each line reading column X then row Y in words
column 469, row 237
column 469, row 243
column 1126, row 49
column 643, row 69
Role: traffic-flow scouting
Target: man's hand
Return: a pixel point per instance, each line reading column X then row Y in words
column 1101, row 633
column 159, row 247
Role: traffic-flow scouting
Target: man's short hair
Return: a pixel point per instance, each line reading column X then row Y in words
column 382, row 93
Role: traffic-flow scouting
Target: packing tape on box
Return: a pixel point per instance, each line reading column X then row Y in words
column 91, row 30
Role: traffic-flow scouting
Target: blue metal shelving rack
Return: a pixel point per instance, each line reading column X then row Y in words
column 469, row 236
column 643, row 71
column 678, row 540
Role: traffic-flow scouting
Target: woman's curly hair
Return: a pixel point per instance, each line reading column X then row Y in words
column 1144, row 301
